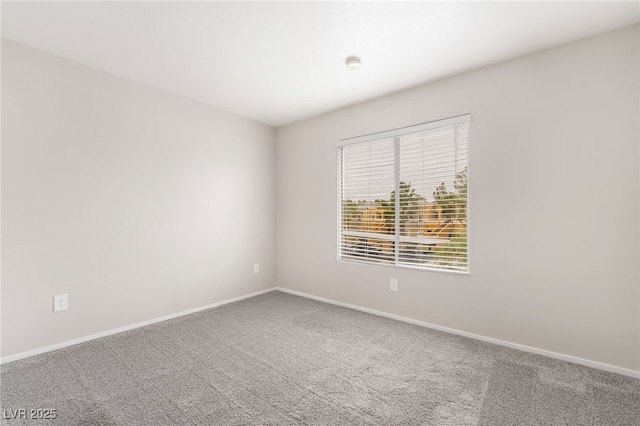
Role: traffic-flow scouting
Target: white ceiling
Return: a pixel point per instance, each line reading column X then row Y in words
column 280, row 62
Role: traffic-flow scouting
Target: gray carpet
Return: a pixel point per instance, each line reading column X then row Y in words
column 278, row 359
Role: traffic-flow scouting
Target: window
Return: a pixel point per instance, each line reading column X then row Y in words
column 420, row 173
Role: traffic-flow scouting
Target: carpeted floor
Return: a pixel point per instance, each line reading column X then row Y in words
column 278, row 359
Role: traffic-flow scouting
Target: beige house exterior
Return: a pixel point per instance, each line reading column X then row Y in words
column 427, row 220
column 426, row 228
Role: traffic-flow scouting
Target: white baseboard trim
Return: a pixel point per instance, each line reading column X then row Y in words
column 127, row 328
column 550, row 354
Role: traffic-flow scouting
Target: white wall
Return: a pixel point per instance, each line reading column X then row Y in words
column 554, row 194
column 134, row 202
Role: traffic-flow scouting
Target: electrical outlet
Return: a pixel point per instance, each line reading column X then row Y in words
column 60, row 303
column 393, row 284
column 256, row 268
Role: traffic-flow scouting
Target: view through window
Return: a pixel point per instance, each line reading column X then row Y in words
column 420, row 173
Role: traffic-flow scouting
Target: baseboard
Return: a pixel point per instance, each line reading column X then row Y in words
column 550, row 354
column 563, row 357
column 127, row 328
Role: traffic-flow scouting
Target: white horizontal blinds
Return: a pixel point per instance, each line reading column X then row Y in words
column 367, row 177
column 425, row 168
column 433, row 197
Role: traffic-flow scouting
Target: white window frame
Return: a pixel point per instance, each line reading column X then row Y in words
column 395, row 134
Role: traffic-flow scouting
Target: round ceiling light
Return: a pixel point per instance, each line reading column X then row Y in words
column 353, row 63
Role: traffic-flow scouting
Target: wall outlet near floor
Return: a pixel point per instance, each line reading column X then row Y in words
column 60, row 303
column 256, row 268
column 393, row 284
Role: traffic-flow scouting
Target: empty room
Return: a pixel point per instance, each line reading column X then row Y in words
column 320, row 213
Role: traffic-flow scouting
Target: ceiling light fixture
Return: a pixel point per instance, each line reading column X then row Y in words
column 353, row 63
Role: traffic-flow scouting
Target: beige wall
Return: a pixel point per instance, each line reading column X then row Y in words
column 554, row 144
column 135, row 202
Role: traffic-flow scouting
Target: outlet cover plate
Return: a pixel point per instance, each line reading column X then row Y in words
column 60, row 302
column 393, row 284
